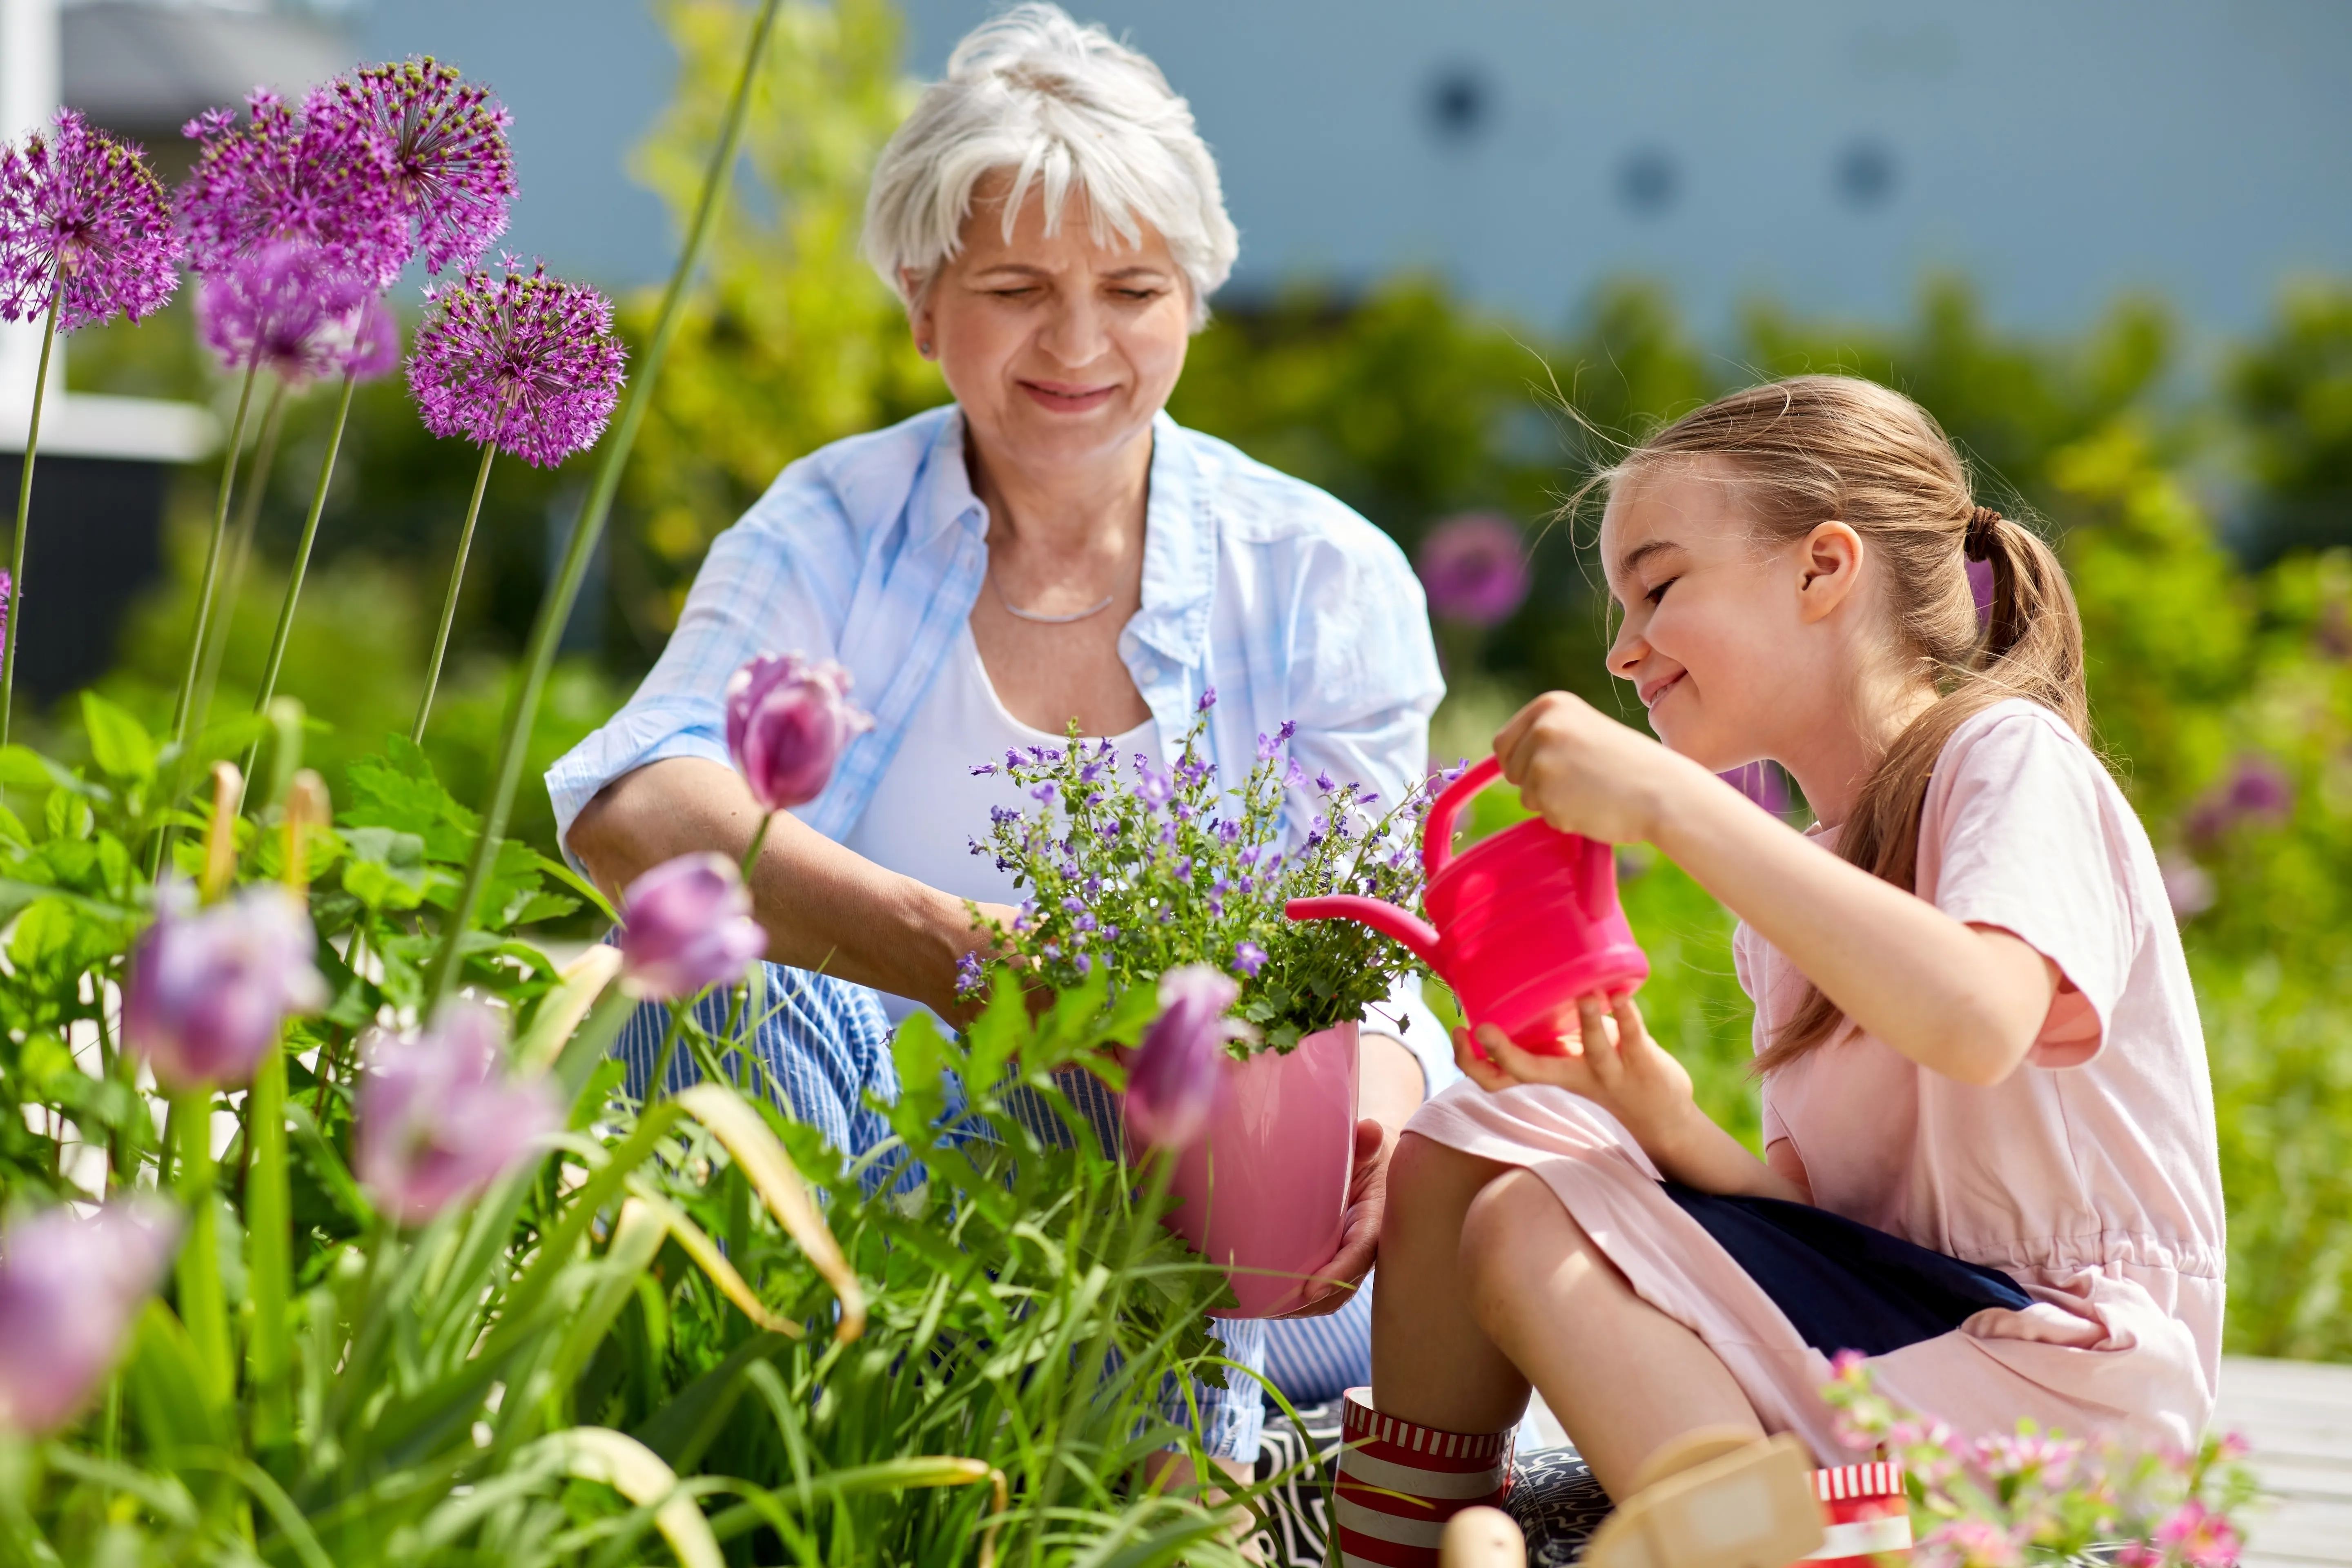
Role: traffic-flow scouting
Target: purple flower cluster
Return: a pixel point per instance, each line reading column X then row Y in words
column 83, row 221
column 1474, row 568
column 288, row 309
column 283, row 174
column 450, row 171
column 520, row 359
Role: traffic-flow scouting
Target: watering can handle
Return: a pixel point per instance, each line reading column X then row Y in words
column 1437, row 830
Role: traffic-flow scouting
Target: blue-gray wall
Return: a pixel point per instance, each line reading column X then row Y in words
column 1824, row 151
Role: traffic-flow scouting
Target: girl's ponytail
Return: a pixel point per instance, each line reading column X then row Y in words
column 1817, row 448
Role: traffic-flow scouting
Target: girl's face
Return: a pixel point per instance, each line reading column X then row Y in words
column 1722, row 636
column 1059, row 350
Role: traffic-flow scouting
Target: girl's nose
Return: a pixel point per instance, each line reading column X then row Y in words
column 1627, row 652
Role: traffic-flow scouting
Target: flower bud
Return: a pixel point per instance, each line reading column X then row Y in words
column 687, row 925
column 436, row 1118
column 788, row 720
column 1171, row 1084
column 70, row 1288
column 210, row 989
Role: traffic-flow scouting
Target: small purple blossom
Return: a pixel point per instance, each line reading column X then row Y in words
column 70, row 1289
column 520, row 359
column 1208, row 701
column 687, row 925
column 1172, row 1082
column 971, row 969
column 788, row 720
column 1323, row 781
column 436, row 1118
column 83, row 221
column 1084, row 964
column 1249, row 958
column 282, row 173
column 285, row 306
column 1474, row 568
column 451, row 170
column 209, row 990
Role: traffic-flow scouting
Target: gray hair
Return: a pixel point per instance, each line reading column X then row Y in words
column 1064, row 107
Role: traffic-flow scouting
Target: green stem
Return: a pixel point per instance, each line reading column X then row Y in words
column 449, row 601
column 303, row 552
column 758, row 838
column 248, row 523
column 654, row 1086
column 555, row 608
column 269, row 1227
column 181, row 710
column 204, row 1306
column 13, row 604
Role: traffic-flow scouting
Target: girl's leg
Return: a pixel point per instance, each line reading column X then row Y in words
column 1433, row 1364
column 1624, row 1378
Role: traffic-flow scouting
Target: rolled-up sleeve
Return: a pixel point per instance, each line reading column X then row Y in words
column 780, row 581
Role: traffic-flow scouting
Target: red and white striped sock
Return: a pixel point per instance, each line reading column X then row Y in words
column 1399, row 1484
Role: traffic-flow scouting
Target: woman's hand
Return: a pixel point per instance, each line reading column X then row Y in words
column 1614, row 1064
column 1360, row 1234
column 1583, row 771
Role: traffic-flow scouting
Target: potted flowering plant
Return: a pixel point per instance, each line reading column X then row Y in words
column 1135, row 873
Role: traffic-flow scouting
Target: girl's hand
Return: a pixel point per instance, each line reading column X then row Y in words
column 1614, row 1064
column 1583, row 771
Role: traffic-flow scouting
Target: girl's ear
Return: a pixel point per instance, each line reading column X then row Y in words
column 1831, row 557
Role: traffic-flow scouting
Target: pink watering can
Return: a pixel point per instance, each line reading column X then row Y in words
column 1526, row 921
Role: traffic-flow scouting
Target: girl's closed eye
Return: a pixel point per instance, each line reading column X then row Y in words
column 1658, row 594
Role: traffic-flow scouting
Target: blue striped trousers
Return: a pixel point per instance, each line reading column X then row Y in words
column 823, row 1045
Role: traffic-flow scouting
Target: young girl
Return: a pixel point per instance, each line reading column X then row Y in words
column 1989, row 1160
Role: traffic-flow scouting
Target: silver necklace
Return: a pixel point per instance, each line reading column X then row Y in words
column 1016, row 611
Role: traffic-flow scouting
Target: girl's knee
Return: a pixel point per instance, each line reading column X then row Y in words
column 1515, row 1236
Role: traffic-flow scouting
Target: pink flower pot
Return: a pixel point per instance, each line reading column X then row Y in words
column 1264, row 1188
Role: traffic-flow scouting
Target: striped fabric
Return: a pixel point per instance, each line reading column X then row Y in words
column 1399, row 1483
column 1867, row 1514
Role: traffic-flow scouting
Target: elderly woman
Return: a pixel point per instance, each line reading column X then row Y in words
column 1050, row 548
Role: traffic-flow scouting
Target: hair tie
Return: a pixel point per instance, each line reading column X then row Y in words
column 1977, row 543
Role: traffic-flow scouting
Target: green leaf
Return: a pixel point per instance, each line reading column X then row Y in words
column 531, row 907
column 387, row 869
column 399, row 790
column 167, row 1386
column 118, row 743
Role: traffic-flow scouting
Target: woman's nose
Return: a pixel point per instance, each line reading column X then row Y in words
column 1075, row 335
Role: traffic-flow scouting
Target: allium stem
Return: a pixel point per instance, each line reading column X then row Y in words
column 555, row 607
column 182, row 709
column 279, row 638
column 270, row 1257
column 14, row 608
column 248, row 523
column 449, row 600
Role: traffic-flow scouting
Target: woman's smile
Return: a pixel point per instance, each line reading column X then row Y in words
column 1067, row 398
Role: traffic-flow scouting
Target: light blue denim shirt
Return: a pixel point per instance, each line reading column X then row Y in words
column 872, row 550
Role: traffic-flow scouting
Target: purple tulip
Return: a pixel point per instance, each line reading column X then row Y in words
column 1474, row 568
column 788, row 720
column 1762, row 783
column 1171, row 1085
column 435, row 1121
column 209, row 990
column 688, row 925
column 70, row 1287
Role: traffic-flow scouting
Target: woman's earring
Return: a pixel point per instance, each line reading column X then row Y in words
column 924, row 348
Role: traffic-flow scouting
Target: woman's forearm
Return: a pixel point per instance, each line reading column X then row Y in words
column 1963, row 1002
column 824, row 908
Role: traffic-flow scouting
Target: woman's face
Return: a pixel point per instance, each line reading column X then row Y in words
column 1058, row 350
column 1718, row 638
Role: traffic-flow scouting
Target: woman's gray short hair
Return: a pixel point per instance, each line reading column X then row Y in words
column 1063, row 106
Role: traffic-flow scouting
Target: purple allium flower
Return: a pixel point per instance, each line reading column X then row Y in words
column 436, row 1120
column 82, row 212
column 209, row 990
column 1981, row 589
column 289, row 174
column 2187, row 885
column 371, row 348
column 520, row 359
column 285, row 306
column 2257, row 790
column 1474, row 568
column 1249, row 958
column 687, row 925
column 451, row 168
column 1762, row 783
column 70, row 1288
column 1172, row 1082
column 788, row 720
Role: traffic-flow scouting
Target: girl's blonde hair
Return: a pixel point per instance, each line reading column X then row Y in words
column 1819, row 448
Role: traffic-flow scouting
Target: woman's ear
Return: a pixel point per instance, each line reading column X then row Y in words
column 916, row 289
column 1831, row 559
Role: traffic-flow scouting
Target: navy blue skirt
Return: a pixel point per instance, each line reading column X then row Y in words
column 1843, row 1285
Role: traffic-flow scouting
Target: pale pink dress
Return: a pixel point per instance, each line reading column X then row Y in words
column 2090, row 1175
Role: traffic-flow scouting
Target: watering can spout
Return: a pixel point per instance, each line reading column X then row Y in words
column 1387, row 918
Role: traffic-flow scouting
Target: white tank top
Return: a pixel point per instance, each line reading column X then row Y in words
column 929, row 807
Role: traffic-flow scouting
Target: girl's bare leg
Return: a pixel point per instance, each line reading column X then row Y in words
column 1432, row 1362
column 1623, row 1378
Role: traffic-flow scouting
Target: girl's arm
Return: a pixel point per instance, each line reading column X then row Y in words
column 1964, row 1000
